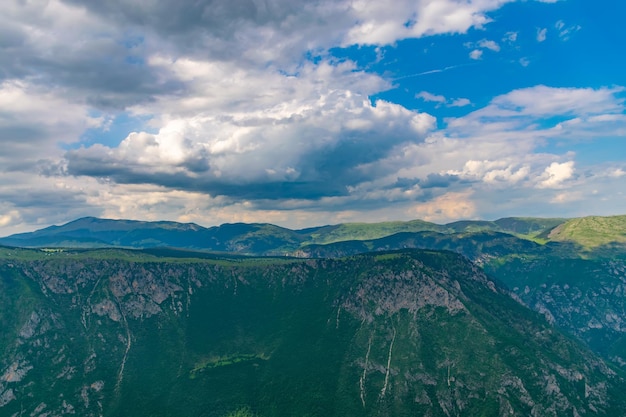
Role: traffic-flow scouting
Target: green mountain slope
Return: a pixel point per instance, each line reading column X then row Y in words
column 582, row 292
column 591, row 232
column 585, row 297
column 90, row 232
column 367, row 231
column 408, row 333
column 252, row 239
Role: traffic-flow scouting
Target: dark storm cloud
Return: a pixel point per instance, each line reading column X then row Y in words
column 103, row 72
column 317, row 181
column 172, row 16
column 126, row 173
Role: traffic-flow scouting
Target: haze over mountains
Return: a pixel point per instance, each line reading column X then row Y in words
column 513, row 317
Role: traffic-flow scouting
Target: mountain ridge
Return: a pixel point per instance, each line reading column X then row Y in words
column 411, row 332
column 250, row 238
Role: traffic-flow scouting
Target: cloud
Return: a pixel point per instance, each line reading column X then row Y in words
column 524, row 108
column 487, row 44
column 542, row 34
column 479, row 47
column 260, row 137
column 239, row 109
column 460, row 102
column 445, row 208
column 380, row 24
column 426, row 96
column 565, row 33
column 510, row 37
column 34, row 120
column 505, row 171
column 439, row 99
column 9, row 218
column 617, row 173
column 567, row 197
column 476, row 54
column 555, row 174
column 494, row 150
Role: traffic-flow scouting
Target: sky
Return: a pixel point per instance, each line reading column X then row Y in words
column 303, row 113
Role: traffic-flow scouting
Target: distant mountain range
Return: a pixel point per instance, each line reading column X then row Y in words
column 587, row 233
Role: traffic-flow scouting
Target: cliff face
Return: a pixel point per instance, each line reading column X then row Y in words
column 398, row 333
column 585, row 297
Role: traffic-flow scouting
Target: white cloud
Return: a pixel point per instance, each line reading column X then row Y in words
column 567, row 197
column 510, row 37
column 9, row 218
column 380, row 24
column 426, row 96
column 429, row 97
column 476, row 54
column 505, row 171
column 445, row 208
column 555, row 174
column 543, row 102
column 542, row 34
column 245, row 129
column 566, row 33
column 240, row 123
column 487, row 44
column 460, row 102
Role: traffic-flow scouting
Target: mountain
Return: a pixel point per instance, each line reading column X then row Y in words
column 115, row 332
column 252, row 239
column 91, row 232
column 592, row 232
column 571, row 271
column 584, row 297
column 583, row 292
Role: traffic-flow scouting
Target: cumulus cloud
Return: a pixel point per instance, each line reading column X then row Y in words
column 242, row 109
column 555, row 174
column 494, row 147
column 306, row 141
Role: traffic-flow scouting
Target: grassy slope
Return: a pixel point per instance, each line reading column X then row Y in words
column 366, row 231
column 591, row 232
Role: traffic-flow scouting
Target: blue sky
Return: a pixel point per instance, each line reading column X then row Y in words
column 306, row 113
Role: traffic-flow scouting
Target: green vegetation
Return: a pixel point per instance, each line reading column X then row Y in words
column 402, row 333
column 368, row 326
column 225, row 361
column 591, row 232
column 368, row 231
column 254, row 239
